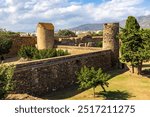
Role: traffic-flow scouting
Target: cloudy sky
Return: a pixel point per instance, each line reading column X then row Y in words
column 23, row 15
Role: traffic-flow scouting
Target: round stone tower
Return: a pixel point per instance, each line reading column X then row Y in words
column 45, row 36
column 111, row 41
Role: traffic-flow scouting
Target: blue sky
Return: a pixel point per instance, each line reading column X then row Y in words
column 23, row 15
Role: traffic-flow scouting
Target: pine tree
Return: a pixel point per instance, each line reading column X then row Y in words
column 133, row 47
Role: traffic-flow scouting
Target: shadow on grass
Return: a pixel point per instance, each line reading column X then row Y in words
column 73, row 90
column 64, row 93
column 115, row 95
column 116, row 72
column 146, row 65
column 146, row 72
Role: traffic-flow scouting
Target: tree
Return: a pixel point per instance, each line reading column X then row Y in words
column 133, row 47
column 5, row 45
column 6, row 41
column 89, row 77
column 6, row 83
column 66, row 33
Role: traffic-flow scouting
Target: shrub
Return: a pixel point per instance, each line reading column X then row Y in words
column 89, row 77
column 5, row 45
column 62, row 52
column 6, row 83
column 99, row 44
column 33, row 53
column 48, row 53
column 42, row 54
column 27, row 52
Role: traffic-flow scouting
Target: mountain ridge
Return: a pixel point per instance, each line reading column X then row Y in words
column 144, row 22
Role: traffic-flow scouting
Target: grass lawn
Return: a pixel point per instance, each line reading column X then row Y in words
column 122, row 86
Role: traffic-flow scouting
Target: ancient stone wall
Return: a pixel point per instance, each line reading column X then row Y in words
column 44, row 76
column 77, row 41
column 21, row 41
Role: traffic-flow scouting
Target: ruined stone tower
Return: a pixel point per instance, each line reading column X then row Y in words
column 45, row 36
column 111, row 41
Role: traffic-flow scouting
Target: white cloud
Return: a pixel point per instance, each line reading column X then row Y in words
column 19, row 15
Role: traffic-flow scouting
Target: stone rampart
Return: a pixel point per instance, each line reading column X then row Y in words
column 44, row 76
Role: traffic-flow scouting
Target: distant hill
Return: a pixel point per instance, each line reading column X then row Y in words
column 144, row 22
column 88, row 27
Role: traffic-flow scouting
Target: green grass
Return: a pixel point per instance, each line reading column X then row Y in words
column 122, row 86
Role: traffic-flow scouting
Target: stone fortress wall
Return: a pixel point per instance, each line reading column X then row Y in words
column 44, row 76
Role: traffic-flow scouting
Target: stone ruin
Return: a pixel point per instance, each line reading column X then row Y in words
column 110, row 41
column 81, row 41
column 45, row 39
column 45, row 36
column 47, row 75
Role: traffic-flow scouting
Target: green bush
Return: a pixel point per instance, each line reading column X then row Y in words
column 61, row 52
column 27, row 52
column 5, row 45
column 42, row 54
column 66, row 33
column 6, row 41
column 48, row 53
column 33, row 53
column 89, row 77
column 6, row 83
column 99, row 44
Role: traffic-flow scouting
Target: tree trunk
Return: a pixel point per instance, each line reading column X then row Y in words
column 140, row 68
column 103, row 88
column 132, row 69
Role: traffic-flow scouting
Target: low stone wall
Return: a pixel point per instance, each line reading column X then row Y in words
column 44, row 76
column 77, row 41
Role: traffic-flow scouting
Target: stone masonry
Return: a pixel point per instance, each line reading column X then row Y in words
column 45, row 36
column 44, row 76
column 110, row 41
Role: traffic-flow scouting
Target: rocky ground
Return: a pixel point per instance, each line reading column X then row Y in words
column 21, row 97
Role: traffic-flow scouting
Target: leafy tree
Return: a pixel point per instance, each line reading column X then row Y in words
column 133, row 47
column 145, row 33
column 6, row 41
column 5, row 45
column 6, row 83
column 89, row 77
column 66, row 33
